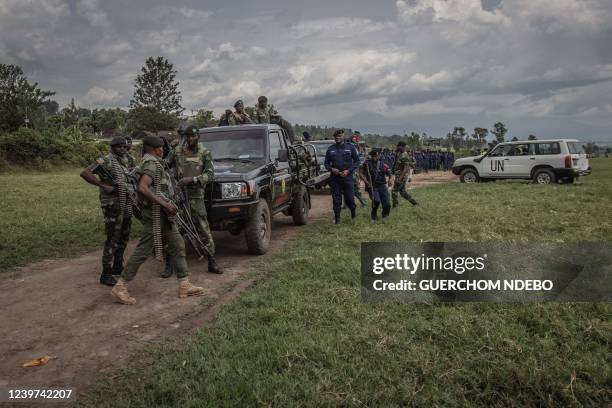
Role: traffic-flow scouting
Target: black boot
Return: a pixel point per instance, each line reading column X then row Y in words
column 168, row 269
column 212, row 265
column 117, row 266
column 413, row 202
column 373, row 215
column 337, row 219
column 107, row 277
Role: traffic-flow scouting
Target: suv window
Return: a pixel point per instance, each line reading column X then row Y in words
column 521, row 150
column 275, row 145
column 548, row 148
column 575, row 148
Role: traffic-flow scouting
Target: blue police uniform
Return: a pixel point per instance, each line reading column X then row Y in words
column 342, row 157
column 376, row 172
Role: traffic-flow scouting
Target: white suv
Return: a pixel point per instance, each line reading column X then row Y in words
column 543, row 161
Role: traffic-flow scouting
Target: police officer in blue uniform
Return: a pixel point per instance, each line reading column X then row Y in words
column 341, row 159
column 374, row 173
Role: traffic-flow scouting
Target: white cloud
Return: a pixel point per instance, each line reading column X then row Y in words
column 101, row 96
column 90, row 10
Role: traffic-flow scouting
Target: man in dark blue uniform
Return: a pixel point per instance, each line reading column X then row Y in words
column 341, row 159
column 374, row 172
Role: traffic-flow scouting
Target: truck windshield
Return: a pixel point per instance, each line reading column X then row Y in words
column 247, row 144
column 322, row 147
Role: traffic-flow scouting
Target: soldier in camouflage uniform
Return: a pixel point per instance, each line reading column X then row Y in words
column 401, row 169
column 128, row 160
column 263, row 112
column 239, row 117
column 116, row 204
column 193, row 166
column 159, row 229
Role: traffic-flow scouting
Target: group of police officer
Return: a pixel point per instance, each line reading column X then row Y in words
column 162, row 183
column 343, row 162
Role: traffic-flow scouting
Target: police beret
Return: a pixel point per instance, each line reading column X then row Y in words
column 118, row 140
column 153, row 141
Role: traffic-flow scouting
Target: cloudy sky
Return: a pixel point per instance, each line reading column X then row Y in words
column 540, row 66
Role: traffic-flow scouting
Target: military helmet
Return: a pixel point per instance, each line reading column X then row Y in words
column 262, row 99
column 190, row 130
column 238, row 102
column 118, row 141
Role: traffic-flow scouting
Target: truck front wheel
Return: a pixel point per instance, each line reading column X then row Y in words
column 469, row 175
column 300, row 206
column 258, row 228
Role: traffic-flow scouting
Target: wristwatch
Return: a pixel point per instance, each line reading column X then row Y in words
column 195, row 180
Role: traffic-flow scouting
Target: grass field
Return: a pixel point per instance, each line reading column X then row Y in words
column 47, row 215
column 303, row 337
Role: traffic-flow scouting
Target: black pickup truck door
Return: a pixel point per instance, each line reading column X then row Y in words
column 281, row 191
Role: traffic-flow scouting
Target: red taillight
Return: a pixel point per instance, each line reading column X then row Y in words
column 568, row 162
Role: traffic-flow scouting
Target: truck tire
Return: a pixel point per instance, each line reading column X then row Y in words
column 469, row 175
column 300, row 206
column 544, row 176
column 258, row 229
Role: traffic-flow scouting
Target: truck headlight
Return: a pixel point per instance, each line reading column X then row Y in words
column 233, row 190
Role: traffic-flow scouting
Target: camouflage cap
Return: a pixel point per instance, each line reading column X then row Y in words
column 153, row 141
column 118, row 141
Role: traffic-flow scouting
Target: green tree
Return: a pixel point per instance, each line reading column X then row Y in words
column 149, row 118
column 20, row 101
column 156, row 87
column 532, row 137
column 499, row 130
column 480, row 135
column 204, row 118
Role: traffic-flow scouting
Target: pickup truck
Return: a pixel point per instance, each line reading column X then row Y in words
column 258, row 173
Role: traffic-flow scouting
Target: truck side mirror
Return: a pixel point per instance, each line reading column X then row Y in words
column 283, row 156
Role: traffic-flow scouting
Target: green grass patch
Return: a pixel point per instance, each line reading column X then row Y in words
column 303, row 337
column 48, row 215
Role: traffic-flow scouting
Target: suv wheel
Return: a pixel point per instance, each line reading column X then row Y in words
column 469, row 176
column 544, row 176
column 258, row 228
column 300, row 206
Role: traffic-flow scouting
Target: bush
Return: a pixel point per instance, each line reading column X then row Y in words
column 31, row 148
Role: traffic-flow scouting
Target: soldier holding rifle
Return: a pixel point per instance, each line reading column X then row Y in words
column 110, row 175
column 159, row 229
column 192, row 164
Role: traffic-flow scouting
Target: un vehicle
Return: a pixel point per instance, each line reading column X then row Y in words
column 258, row 173
column 543, row 161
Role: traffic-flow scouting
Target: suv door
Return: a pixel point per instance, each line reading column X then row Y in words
column 281, row 190
column 495, row 164
column 549, row 154
column 580, row 161
column 522, row 159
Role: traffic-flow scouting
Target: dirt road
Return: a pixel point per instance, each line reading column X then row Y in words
column 57, row 308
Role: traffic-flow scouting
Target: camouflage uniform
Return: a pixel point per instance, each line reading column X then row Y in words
column 402, row 160
column 198, row 164
column 238, row 119
column 117, row 220
column 262, row 115
column 170, row 235
column 128, row 161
